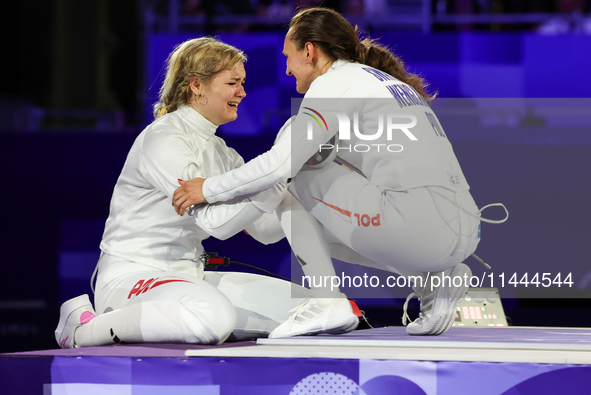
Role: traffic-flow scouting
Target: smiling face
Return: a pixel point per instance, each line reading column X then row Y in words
column 222, row 95
column 299, row 65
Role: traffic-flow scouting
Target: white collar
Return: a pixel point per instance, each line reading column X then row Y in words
column 338, row 64
column 201, row 124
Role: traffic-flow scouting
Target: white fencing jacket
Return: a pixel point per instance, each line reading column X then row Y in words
column 143, row 225
column 425, row 156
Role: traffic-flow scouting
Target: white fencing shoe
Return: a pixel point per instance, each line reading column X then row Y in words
column 317, row 315
column 438, row 303
column 73, row 314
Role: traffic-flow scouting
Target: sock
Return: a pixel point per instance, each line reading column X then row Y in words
column 145, row 322
column 99, row 331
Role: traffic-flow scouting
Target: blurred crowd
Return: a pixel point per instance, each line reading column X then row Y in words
column 570, row 15
column 374, row 7
column 279, row 8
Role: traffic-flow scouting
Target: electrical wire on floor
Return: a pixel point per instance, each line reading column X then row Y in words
column 212, row 261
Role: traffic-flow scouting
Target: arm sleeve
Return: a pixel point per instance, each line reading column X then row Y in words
column 167, row 156
column 290, row 152
column 266, row 229
column 224, row 220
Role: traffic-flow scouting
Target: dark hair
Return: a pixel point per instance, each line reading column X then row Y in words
column 337, row 39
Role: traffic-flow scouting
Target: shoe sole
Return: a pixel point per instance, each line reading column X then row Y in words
column 345, row 326
column 445, row 321
column 342, row 327
column 69, row 306
column 456, row 295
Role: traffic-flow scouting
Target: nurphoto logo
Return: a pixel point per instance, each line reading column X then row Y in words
column 393, row 123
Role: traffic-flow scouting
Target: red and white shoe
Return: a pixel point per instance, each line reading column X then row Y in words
column 73, row 314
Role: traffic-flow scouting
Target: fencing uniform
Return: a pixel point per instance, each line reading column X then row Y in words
column 151, row 286
column 410, row 211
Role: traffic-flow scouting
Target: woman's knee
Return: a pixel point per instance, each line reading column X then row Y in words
column 209, row 320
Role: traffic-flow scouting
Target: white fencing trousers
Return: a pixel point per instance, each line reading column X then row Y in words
column 409, row 231
column 137, row 303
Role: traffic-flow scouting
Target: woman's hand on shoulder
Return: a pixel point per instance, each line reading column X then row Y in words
column 188, row 194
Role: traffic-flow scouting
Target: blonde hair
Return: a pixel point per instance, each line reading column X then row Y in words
column 201, row 58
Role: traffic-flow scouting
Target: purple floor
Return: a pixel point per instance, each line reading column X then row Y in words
column 142, row 350
column 568, row 337
column 158, row 369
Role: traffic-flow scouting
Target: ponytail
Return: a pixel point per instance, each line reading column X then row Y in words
column 380, row 57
